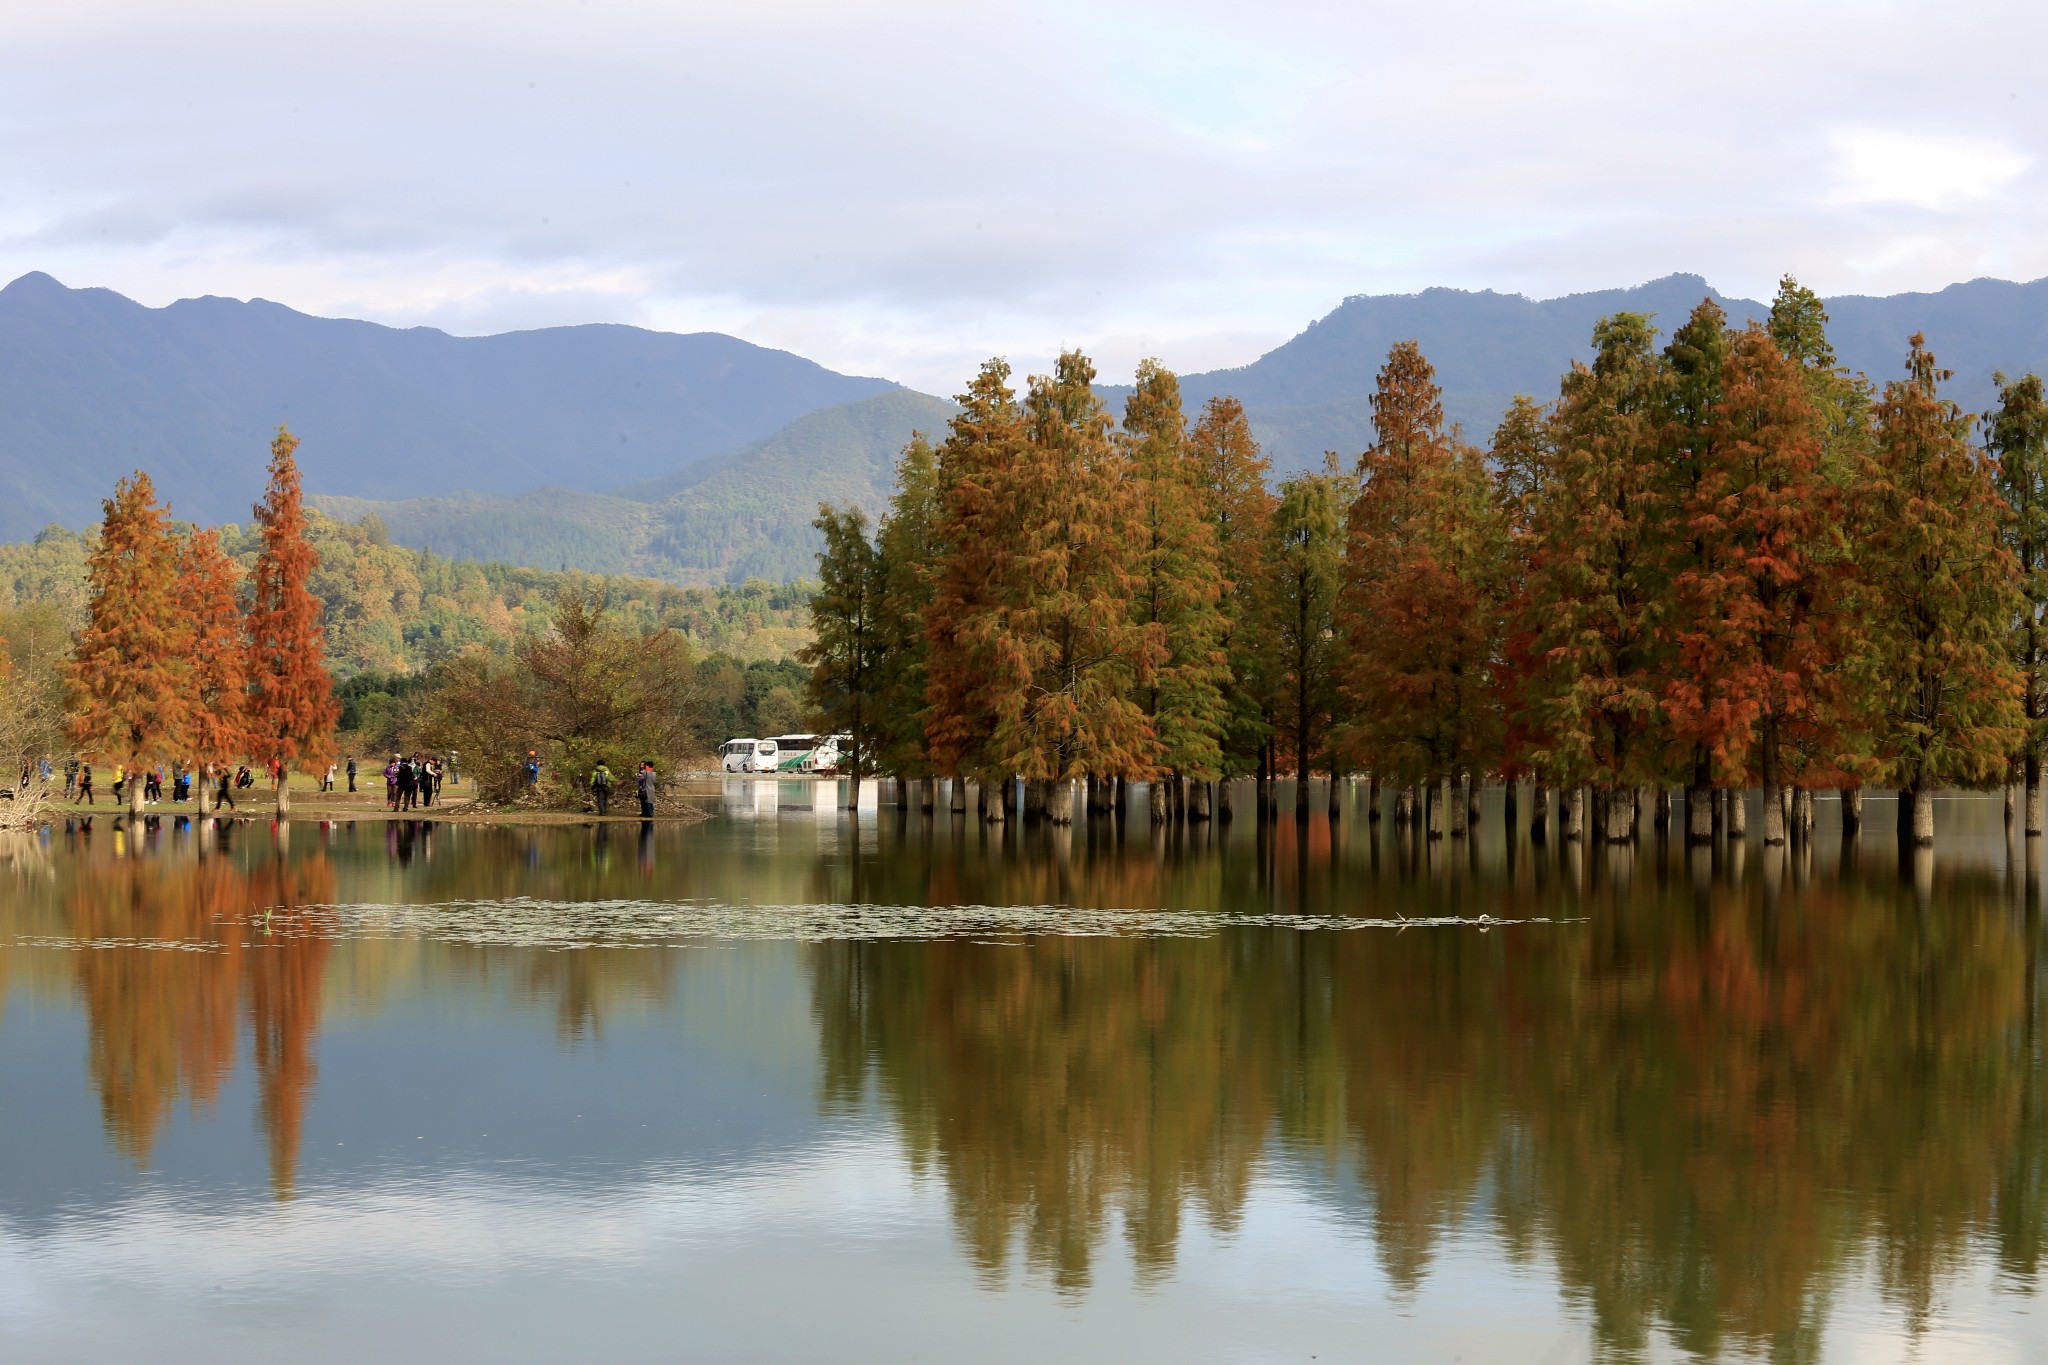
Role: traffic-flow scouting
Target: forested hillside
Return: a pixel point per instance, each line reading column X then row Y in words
column 745, row 515
column 393, row 609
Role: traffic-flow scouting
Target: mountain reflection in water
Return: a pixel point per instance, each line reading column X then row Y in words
column 1709, row 1096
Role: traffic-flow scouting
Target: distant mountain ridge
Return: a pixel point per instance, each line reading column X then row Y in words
column 93, row 385
column 1310, row 394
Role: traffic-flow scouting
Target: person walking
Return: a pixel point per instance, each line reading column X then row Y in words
column 327, row 782
column 351, row 772
column 120, row 781
column 226, row 795
column 71, row 777
column 85, row 783
column 601, row 787
column 153, row 784
column 408, row 784
column 647, row 789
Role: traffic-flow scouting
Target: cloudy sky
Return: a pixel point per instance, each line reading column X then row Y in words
column 902, row 188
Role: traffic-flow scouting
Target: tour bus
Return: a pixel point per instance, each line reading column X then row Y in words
column 793, row 752
column 750, row 756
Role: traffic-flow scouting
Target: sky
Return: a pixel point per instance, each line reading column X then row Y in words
column 904, row 188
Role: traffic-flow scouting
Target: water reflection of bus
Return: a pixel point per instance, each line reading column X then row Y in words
column 750, row 755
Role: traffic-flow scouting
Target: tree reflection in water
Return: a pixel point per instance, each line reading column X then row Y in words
column 1732, row 1082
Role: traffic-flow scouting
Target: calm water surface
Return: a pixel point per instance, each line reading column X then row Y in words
column 787, row 1087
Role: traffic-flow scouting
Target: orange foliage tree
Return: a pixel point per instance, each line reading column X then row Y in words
column 1756, row 628
column 292, row 708
column 207, row 585
column 131, row 665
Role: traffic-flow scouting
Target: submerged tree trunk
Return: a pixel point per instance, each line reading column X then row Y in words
column 1223, row 801
column 1905, row 815
column 995, row 806
column 1802, row 815
column 1433, row 812
column 1198, row 805
column 1923, row 813
column 1336, row 796
column 1372, row 799
column 1621, row 815
column 1852, row 812
column 1510, row 806
column 1572, row 818
column 1539, row 812
column 1699, row 812
column 1460, row 804
column 1475, row 788
column 1059, row 801
column 202, row 791
column 1738, row 814
column 284, row 793
column 959, row 799
column 2033, row 778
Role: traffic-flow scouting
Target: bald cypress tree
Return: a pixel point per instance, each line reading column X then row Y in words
column 131, row 676
column 1303, row 577
column 1065, row 505
column 1232, row 473
column 1423, row 567
column 2016, row 437
column 846, row 633
column 1179, row 579
column 292, row 707
column 978, row 571
column 907, row 562
column 1588, row 608
column 209, row 588
column 1942, row 584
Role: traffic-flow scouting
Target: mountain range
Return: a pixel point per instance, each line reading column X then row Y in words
column 702, row 458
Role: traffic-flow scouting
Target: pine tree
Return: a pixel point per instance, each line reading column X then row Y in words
column 1588, row 607
column 1419, row 610
column 1947, row 692
column 973, row 664
column 1179, row 579
column 1304, row 575
column 1755, row 621
column 208, row 587
column 846, row 628
column 1233, row 473
column 908, row 554
column 292, row 708
column 2017, row 437
column 131, row 663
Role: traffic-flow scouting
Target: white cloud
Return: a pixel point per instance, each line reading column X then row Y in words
column 906, row 188
column 1922, row 170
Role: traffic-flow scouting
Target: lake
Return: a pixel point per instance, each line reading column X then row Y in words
column 789, row 1086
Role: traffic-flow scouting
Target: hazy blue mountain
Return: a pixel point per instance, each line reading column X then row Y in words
column 746, row 514
column 93, row 385
column 1310, row 394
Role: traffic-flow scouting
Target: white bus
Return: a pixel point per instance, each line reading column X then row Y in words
column 794, row 752
column 750, row 756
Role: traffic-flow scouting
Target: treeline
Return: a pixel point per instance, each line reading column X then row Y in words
column 390, row 609
column 1720, row 563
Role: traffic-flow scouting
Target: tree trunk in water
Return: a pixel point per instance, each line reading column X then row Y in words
column 1336, row 796
column 1774, row 802
column 1663, row 808
column 1621, row 815
column 2012, row 804
column 284, row 794
column 1034, row 799
column 1572, row 817
column 1719, row 798
column 958, row 804
column 1699, row 813
column 1198, row 807
column 1639, row 807
column 1738, row 814
column 1059, row 801
column 2033, row 774
column 1802, row 815
column 1539, row 812
column 1433, row 813
column 927, row 794
column 1596, row 812
column 1301, row 795
column 1404, row 807
column 1852, row 812
column 1372, row 800
column 1461, row 807
column 995, row 806
column 1905, row 821
column 902, row 786
column 202, row 791
column 1223, row 802
column 1475, row 788
column 1923, row 814
column 1510, row 806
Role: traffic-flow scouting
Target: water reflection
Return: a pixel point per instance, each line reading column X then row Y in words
column 1716, row 1094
